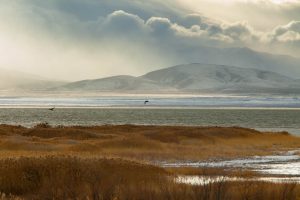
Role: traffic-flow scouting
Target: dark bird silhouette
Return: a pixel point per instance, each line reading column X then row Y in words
column 146, row 102
column 51, row 109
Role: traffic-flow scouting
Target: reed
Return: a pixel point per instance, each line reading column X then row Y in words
column 146, row 143
column 73, row 178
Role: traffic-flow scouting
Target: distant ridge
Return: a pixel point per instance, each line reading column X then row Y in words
column 193, row 78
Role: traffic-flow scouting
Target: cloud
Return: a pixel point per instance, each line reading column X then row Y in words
column 92, row 38
column 293, row 26
column 190, row 20
column 160, row 26
column 158, row 29
column 122, row 23
column 286, row 35
column 239, row 31
column 261, row 14
column 286, row 38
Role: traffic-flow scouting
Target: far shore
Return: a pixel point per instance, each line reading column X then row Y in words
column 152, row 107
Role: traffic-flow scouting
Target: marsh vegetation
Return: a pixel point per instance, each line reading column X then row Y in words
column 119, row 162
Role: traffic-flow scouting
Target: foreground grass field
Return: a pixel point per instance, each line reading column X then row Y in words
column 74, row 178
column 114, row 162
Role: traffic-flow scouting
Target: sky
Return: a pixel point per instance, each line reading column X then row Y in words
column 75, row 39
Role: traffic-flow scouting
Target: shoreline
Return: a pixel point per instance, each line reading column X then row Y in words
column 151, row 107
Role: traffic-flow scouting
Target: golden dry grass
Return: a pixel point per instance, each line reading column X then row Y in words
column 147, row 143
column 109, row 179
column 63, row 177
column 104, row 162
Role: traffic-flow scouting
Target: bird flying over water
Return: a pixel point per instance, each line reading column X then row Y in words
column 51, row 109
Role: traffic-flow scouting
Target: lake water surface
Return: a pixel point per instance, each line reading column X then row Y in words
column 278, row 114
column 262, row 119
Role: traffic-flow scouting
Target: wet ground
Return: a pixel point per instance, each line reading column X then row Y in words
column 287, row 163
column 205, row 180
column 283, row 167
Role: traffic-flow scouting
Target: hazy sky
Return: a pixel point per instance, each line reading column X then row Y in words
column 76, row 39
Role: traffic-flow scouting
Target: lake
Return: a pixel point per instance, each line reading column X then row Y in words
column 264, row 113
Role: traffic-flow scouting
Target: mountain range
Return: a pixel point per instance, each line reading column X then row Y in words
column 193, row 78
column 246, row 58
column 230, row 71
